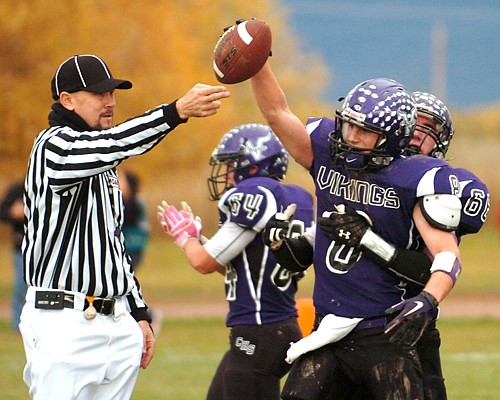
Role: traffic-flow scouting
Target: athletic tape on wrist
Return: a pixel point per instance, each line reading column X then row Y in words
column 378, row 246
column 447, row 262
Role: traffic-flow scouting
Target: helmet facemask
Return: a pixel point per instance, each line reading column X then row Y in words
column 218, row 182
column 355, row 158
column 439, row 148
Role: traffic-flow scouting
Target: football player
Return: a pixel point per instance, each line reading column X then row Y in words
column 356, row 161
column 247, row 168
column 432, row 137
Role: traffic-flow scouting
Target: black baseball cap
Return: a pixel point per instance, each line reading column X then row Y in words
column 85, row 72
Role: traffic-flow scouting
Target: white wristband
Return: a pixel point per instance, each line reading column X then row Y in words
column 378, row 246
column 447, row 262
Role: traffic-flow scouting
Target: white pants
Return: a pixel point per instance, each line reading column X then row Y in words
column 70, row 357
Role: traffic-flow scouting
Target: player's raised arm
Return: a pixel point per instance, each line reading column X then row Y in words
column 274, row 107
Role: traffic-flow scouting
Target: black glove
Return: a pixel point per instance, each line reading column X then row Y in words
column 277, row 227
column 414, row 317
column 345, row 225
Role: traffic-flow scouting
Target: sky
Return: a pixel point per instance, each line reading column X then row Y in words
column 363, row 39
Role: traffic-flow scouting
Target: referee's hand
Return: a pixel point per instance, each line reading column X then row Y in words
column 148, row 349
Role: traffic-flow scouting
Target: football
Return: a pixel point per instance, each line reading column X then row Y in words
column 242, row 51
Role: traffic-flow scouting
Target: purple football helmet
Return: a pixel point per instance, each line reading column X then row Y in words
column 244, row 147
column 382, row 106
column 430, row 106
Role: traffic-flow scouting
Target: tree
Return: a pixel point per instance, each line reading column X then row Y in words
column 164, row 48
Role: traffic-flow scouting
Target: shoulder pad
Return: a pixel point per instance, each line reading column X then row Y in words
column 438, row 179
column 441, row 211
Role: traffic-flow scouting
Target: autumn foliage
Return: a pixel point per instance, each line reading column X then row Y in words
column 164, row 48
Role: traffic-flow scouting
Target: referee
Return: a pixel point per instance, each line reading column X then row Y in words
column 85, row 324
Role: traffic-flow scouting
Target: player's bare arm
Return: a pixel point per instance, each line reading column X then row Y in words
column 415, row 314
column 274, row 107
column 200, row 260
column 201, row 101
column 437, row 241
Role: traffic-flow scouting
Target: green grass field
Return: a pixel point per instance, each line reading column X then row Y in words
column 188, row 349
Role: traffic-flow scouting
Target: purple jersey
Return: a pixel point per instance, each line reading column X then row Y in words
column 347, row 283
column 475, row 199
column 259, row 290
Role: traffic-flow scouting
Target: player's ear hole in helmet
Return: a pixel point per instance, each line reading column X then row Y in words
column 249, row 150
column 441, row 133
column 382, row 106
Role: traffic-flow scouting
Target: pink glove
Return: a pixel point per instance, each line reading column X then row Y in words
column 187, row 208
column 179, row 224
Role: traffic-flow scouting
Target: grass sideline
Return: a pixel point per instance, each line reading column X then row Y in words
column 188, row 351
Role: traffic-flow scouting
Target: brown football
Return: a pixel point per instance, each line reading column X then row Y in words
column 242, row 51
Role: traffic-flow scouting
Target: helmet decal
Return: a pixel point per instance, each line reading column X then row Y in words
column 242, row 148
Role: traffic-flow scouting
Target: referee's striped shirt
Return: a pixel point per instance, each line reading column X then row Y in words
column 74, row 209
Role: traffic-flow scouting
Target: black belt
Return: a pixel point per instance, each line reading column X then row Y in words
column 57, row 300
column 102, row 306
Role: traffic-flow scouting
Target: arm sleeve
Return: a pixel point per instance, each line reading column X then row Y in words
column 72, row 156
column 141, row 314
column 138, row 307
column 410, row 265
column 229, row 241
column 296, row 255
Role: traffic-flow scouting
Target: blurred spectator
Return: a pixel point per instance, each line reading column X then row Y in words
column 136, row 225
column 12, row 212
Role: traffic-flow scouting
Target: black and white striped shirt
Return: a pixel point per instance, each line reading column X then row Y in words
column 74, row 207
